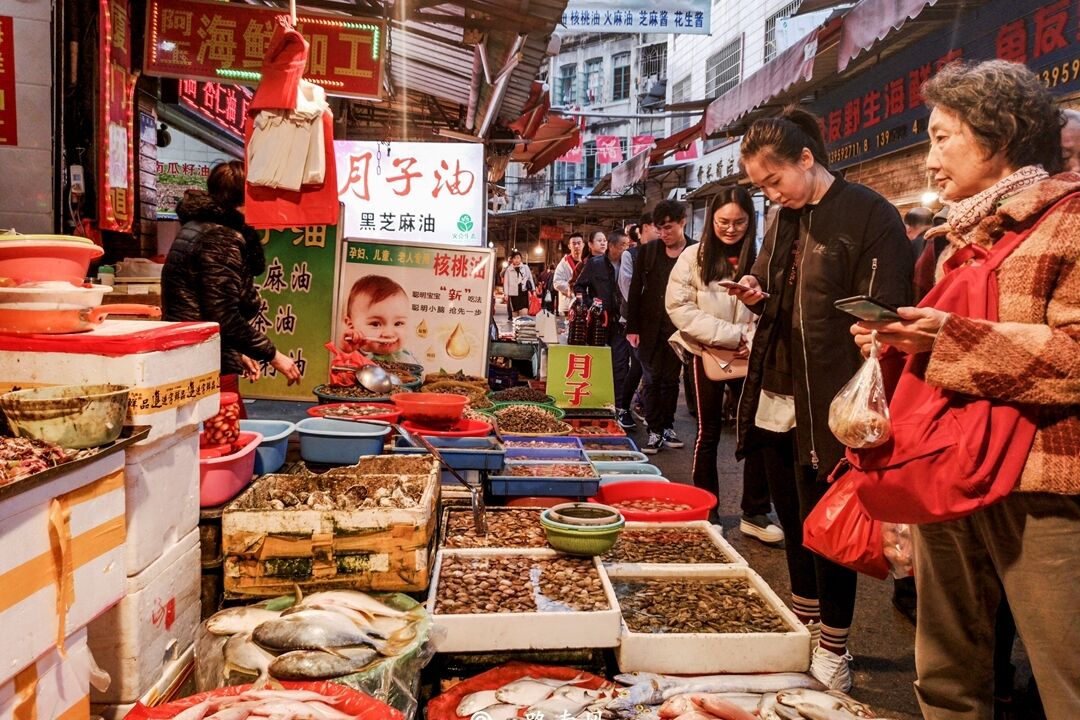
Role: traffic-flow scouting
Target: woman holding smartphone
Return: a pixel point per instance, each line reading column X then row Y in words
column 707, row 318
column 830, row 240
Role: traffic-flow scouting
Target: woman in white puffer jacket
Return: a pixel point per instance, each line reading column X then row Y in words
column 706, row 316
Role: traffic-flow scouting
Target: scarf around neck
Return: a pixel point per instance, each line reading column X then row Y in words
column 966, row 214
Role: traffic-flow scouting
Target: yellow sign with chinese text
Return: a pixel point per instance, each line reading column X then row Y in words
column 580, row 376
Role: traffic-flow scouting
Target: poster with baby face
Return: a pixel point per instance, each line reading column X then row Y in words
column 423, row 304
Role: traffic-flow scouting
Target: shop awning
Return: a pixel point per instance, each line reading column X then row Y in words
column 870, row 21
column 550, row 142
column 534, row 114
column 674, row 143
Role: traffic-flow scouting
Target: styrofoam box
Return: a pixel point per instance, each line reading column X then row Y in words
column 171, row 684
column 162, row 482
column 525, row 631
column 157, row 618
column 94, row 494
column 713, row 653
column 60, row 686
column 715, row 533
column 160, row 378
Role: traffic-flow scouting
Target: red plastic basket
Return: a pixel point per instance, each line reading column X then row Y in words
column 353, row 702
column 701, row 501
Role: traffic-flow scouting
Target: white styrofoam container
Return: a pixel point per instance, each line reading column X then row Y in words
column 58, row 687
column 715, row 533
column 172, row 388
column 151, row 626
column 29, row 579
column 171, row 685
column 162, row 483
column 713, row 653
column 524, row 631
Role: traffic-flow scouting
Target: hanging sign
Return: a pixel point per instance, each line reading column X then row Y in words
column 216, row 41
column 690, row 153
column 608, row 149
column 223, row 106
column 672, row 17
column 574, row 154
column 579, row 376
column 420, row 304
column 116, row 150
column 295, row 311
column 641, row 142
column 414, row 192
column 9, row 134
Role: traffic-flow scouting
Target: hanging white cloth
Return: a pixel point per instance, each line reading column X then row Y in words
column 286, row 147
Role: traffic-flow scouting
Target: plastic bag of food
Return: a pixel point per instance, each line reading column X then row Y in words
column 896, row 537
column 859, row 414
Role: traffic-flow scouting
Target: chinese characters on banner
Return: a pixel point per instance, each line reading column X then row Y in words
column 116, row 152
column 413, row 192
column 579, row 376
column 439, row 307
column 296, row 310
column 174, row 178
column 574, row 155
column 641, row 142
column 608, row 149
column 228, row 41
column 9, row 133
column 882, row 109
column 224, row 106
column 674, row 17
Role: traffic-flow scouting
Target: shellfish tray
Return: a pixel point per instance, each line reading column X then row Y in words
column 694, row 544
column 486, row 600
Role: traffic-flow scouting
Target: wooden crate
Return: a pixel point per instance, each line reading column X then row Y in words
column 267, row 551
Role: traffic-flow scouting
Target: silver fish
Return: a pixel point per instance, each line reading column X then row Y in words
column 475, row 702
column 239, row 620
column 566, row 701
column 503, row 711
column 815, row 712
column 644, row 693
column 244, row 656
column 823, row 700
column 358, row 601
column 524, row 691
column 313, row 630
column 321, row 665
column 769, row 682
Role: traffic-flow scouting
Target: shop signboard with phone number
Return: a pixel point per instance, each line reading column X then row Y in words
column 881, row 110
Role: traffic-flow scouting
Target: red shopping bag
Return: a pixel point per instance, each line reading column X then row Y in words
column 534, row 303
column 840, row 529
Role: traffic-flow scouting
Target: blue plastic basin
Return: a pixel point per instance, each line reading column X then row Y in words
column 339, row 442
column 270, row 455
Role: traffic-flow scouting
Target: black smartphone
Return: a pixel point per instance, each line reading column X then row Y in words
column 867, row 308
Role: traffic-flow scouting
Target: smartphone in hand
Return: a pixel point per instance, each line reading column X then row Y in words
column 867, row 308
column 728, row 284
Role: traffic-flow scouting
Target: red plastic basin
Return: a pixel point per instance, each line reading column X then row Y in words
column 462, row 428
column 433, row 410
column 26, row 258
column 701, row 501
column 222, row 478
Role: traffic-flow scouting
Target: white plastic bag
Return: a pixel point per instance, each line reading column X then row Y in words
column 896, row 538
column 547, row 327
column 859, row 414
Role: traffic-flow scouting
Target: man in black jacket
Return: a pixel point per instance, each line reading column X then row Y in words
column 648, row 326
column 600, row 279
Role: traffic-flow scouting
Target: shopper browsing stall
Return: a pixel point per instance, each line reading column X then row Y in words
column 518, row 284
column 564, row 272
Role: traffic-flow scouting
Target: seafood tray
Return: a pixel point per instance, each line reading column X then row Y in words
column 589, row 427
column 465, row 453
column 548, row 480
column 694, row 544
column 535, row 443
column 508, row 527
column 617, row 456
column 588, row 616
column 785, row 649
column 268, row 546
column 626, row 468
column 603, row 442
column 560, row 454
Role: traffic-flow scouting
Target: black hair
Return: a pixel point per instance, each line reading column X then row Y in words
column 918, row 216
column 226, row 184
column 713, row 255
column 785, row 137
column 646, row 219
column 668, row 210
column 516, row 253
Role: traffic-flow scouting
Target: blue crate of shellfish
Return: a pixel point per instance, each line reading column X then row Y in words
column 565, row 454
column 545, row 478
column 609, row 442
column 467, row 453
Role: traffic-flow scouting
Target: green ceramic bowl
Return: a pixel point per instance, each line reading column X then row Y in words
column 578, row 542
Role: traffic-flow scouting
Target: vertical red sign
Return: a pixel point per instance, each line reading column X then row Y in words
column 116, row 160
column 9, row 133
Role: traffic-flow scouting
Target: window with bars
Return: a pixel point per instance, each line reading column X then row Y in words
column 567, row 85
column 770, row 27
column 620, row 76
column 592, row 91
column 680, row 93
column 724, row 69
column 652, row 65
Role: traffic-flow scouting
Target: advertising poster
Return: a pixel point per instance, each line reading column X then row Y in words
column 413, row 192
column 422, row 304
column 116, row 154
column 579, row 376
column 297, row 311
column 673, row 17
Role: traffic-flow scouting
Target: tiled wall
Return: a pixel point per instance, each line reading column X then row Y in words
column 26, row 169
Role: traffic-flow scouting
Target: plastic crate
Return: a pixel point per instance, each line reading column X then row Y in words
column 515, row 486
column 590, row 427
column 465, row 453
column 610, row 442
column 567, row 453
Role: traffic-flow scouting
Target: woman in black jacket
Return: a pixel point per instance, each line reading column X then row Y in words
column 831, row 239
column 209, row 275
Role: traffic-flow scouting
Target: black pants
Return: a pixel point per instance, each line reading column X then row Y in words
column 620, row 361
column 661, row 369
column 630, row 385
column 795, row 491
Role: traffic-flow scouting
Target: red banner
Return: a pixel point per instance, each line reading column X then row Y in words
column 9, row 132
column 224, row 106
column 608, row 149
column 116, row 154
column 215, row 41
column 641, row 142
column 690, row 153
column 574, row 155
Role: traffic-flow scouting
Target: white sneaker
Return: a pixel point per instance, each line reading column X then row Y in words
column 815, row 634
column 831, row 670
column 762, row 528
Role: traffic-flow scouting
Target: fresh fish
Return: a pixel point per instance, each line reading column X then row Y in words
column 554, row 682
column 320, row 664
column 823, row 700
column 358, row 601
column 644, row 693
column 566, row 702
column 234, row 712
column 768, row 682
column 313, row 630
column 695, row 714
column 721, row 708
column 297, row 695
column 195, row 712
column 232, row 621
column 524, row 691
column 475, row 702
column 244, row 656
column 503, row 711
column 815, row 712
column 678, row 705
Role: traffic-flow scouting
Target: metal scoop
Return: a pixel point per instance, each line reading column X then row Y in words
column 372, row 377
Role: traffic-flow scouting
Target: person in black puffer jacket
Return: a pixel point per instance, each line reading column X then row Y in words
column 209, row 275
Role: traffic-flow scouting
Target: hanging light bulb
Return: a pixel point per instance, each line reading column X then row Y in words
column 538, row 250
column 929, row 198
